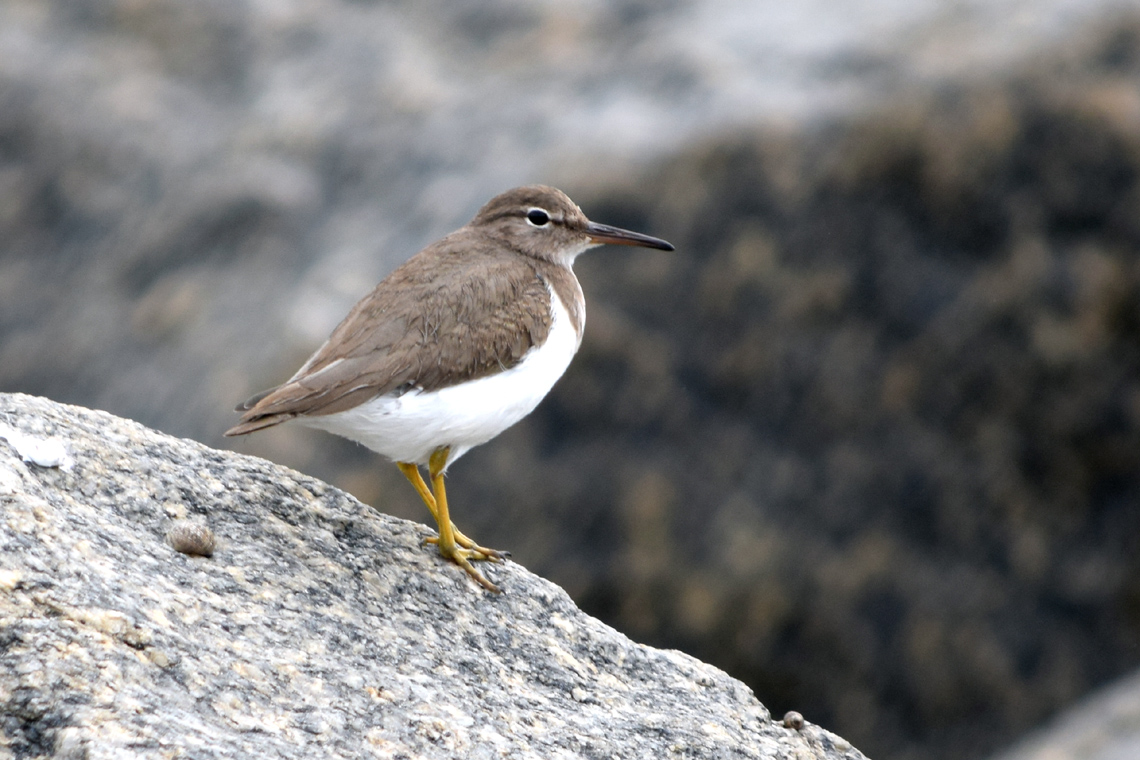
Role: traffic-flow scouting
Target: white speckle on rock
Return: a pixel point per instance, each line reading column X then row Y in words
column 9, row 481
column 9, row 579
column 44, row 452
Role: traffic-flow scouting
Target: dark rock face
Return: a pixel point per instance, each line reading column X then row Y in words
column 317, row 626
column 879, row 414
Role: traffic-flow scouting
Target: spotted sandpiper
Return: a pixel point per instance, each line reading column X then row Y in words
column 453, row 347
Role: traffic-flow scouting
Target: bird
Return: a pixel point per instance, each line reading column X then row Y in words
column 456, row 345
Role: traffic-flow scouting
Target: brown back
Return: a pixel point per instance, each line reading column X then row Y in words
column 463, row 308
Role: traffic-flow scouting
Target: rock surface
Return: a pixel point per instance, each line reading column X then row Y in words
column 1103, row 726
column 319, row 627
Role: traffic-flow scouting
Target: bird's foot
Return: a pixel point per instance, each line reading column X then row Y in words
column 463, row 556
column 478, row 553
column 452, row 544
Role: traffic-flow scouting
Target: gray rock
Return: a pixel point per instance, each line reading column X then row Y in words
column 1102, row 726
column 318, row 628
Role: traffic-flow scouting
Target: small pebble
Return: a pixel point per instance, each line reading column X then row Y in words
column 191, row 537
column 793, row 719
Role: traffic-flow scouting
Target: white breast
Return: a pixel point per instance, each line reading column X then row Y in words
column 409, row 427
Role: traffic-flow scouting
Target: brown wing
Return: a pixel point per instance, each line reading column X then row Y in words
column 455, row 311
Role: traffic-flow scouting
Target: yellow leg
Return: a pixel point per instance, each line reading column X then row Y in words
column 452, row 544
column 412, row 473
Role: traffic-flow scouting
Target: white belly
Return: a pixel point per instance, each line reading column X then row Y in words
column 411, row 426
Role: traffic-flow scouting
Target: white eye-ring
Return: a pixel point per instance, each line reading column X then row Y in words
column 537, row 217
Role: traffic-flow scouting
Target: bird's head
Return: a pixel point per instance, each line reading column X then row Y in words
column 543, row 222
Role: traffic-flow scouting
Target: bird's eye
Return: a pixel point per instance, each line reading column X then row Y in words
column 538, row 217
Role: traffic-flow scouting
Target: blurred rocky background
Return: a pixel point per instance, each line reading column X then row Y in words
column 870, row 440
